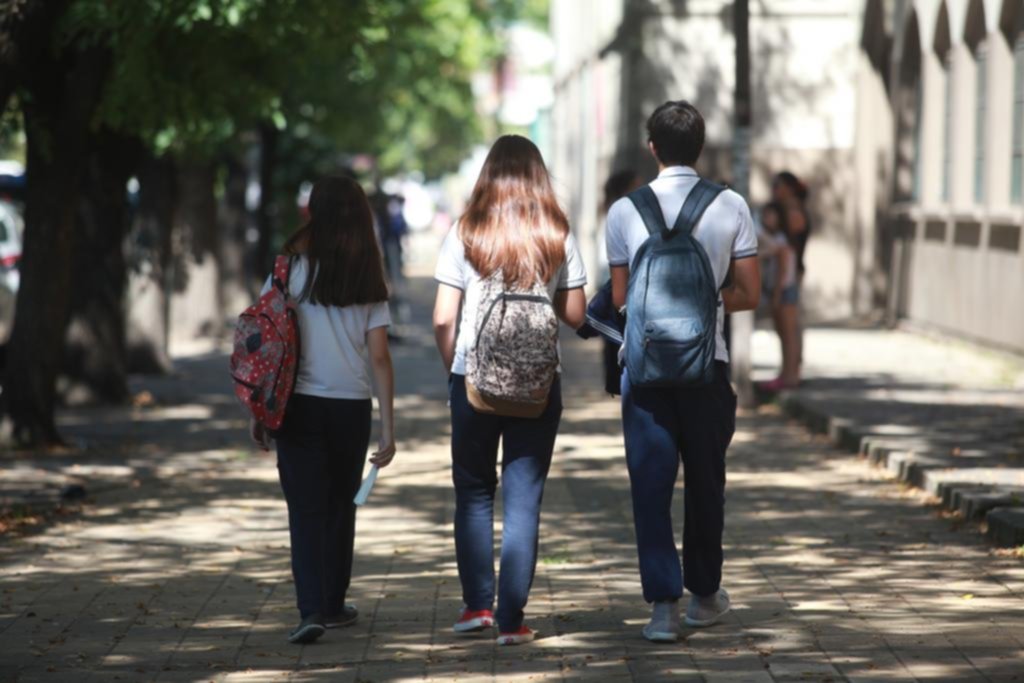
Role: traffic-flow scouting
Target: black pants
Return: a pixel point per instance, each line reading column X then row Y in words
column 612, row 369
column 321, row 450
column 663, row 427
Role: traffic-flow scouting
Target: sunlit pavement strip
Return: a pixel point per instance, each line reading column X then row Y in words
column 835, row 573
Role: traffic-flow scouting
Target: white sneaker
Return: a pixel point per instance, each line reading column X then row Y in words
column 707, row 610
column 664, row 624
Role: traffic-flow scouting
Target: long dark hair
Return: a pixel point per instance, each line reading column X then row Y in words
column 795, row 185
column 345, row 265
column 513, row 222
column 619, row 184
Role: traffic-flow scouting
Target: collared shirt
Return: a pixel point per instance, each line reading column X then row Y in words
column 726, row 230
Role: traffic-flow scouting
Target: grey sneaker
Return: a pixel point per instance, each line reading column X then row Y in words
column 308, row 630
column 707, row 610
column 349, row 615
column 664, row 624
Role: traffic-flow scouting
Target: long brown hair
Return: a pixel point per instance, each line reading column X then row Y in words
column 345, row 265
column 513, row 222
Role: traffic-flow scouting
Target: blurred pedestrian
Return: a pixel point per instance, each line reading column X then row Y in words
column 510, row 260
column 391, row 229
column 676, row 399
column 394, row 232
column 792, row 194
column 618, row 185
column 780, row 283
column 337, row 281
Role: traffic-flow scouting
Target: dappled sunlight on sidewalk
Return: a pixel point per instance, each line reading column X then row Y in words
column 180, row 572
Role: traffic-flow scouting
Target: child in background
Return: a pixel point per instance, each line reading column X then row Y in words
column 780, row 283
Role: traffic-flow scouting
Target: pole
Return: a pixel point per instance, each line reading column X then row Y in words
column 742, row 324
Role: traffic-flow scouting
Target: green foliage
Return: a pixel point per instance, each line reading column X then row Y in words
column 407, row 96
column 190, row 74
column 391, row 78
column 12, row 133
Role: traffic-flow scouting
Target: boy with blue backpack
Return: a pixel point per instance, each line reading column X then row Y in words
column 682, row 253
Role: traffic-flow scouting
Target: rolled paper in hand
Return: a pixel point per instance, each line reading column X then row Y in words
column 364, row 491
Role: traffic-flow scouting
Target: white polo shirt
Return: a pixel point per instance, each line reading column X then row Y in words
column 726, row 231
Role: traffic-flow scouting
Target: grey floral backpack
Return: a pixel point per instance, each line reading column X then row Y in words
column 510, row 369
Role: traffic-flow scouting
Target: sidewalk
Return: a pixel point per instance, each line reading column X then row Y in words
column 941, row 415
column 178, row 571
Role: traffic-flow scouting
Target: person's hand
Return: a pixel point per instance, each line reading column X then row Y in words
column 258, row 434
column 385, row 452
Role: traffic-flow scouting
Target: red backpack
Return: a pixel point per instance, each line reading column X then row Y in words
column 265, row 361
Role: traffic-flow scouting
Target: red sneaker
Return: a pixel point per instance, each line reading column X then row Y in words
column 523, row 635
column 472, row 621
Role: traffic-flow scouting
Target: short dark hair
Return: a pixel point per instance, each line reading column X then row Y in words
column 676, row 129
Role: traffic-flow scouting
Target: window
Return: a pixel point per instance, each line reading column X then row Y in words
column 1017, row 167
column 980, row 93
column 947, row 129
column 918, row 104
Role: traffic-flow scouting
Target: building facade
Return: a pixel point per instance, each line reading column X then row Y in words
column 914, row 207
column 948, row 210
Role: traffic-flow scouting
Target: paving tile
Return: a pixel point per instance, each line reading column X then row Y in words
column 836, row 572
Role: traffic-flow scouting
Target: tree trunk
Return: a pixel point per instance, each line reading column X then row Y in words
column 237, row 282
column 741, row 325
column 63, row 95
column 95, row 359
column 150, row 279
column 197, row 305
column 265, row 214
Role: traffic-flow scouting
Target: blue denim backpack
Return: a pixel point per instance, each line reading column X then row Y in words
column 672, row 299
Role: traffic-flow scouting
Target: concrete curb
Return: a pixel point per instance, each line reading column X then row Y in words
column 981, row 489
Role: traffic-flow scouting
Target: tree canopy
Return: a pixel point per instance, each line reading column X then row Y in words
column 390, row 78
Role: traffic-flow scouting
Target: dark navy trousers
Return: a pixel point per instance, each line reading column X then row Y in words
column 321, row 451
column 663, row 427
column 527, row 445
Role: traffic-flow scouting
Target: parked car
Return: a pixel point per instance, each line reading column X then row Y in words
column 11, row 227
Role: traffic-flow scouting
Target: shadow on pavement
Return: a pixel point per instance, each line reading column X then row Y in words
column 180, row 570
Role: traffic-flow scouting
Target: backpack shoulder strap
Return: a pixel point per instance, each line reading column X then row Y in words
column 646, row 203
column 282, row 273
column 699, row 199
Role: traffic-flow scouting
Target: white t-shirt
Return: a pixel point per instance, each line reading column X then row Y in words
column 779, row 255
column 335, row 362
column 454, row 270
column 726, row 231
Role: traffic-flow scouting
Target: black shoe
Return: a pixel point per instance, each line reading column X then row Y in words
column 349, row 615
column 308, row 630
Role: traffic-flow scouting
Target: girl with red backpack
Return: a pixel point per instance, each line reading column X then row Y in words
column 336, row 282
column 513, row 266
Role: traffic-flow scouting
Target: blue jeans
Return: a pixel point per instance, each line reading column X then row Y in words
column 662, row 427
column 321, row 450
column 527, row 445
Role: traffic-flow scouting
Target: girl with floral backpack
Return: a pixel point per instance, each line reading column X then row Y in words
column 513, row 266
column 337, row 289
